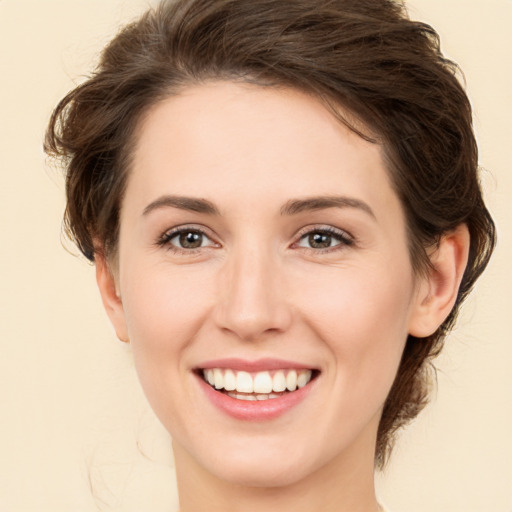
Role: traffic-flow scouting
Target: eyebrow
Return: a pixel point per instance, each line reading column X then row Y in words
column 190, row 204
column 291, row 207
column 295, row 206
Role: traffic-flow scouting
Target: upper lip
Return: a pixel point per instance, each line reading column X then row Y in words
column 257, row 365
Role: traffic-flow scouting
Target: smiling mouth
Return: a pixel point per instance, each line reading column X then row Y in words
column 264, row 385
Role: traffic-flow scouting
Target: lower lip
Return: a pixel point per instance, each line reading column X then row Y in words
column 255, row 410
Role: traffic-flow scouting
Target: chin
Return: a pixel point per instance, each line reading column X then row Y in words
column 252, row 464
column 262, row 474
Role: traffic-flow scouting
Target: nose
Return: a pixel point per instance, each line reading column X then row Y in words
column 251, row 297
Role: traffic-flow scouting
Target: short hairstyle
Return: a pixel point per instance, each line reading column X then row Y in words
column 364, row 59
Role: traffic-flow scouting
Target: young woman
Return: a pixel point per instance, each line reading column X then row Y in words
column 282, row 203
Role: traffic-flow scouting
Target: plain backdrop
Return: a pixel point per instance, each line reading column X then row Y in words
column 76, row 433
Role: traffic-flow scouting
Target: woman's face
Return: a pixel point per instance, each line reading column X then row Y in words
column 261, row 240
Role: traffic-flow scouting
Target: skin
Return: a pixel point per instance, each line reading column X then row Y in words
column 257, row 287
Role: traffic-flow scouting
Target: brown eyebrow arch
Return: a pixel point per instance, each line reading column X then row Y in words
column 183, row 203
column 295, row 206
column 292, row 207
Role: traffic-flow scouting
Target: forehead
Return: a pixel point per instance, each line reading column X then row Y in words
column 234, row 142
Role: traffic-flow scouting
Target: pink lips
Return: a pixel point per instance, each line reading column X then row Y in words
column 260, row 410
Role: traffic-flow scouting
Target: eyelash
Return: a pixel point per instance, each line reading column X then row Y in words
column 344, row 239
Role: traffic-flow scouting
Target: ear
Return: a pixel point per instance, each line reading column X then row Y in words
column 111, row 297
column 438, row 291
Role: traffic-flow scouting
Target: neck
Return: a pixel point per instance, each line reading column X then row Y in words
column 345, row 484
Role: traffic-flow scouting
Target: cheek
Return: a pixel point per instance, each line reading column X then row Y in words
column 164, row 305
column 164, row 312
column 369, row 303
column 164, row 309
column 362, row 316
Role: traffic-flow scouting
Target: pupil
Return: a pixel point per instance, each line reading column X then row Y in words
column 190, row 240
column 319, row 240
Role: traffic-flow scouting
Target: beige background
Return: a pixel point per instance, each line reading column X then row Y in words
column 72, row 412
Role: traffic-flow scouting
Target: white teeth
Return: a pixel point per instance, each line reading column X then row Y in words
column 229, row 380
column 240, row 396
column 279, row 382
column 262, row 384
column 266, row 397
column 291, row 381
column 218, row 378
column 244, row 383
column 303, row 378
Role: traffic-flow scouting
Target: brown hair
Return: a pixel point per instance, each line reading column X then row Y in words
column 364, row 56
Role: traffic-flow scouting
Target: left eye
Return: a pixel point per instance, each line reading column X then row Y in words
column 319, row 239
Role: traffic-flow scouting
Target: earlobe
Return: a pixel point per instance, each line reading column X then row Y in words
column 111, row 297
column 437, row 292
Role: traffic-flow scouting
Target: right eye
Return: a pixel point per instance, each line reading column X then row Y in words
column 185, row 240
